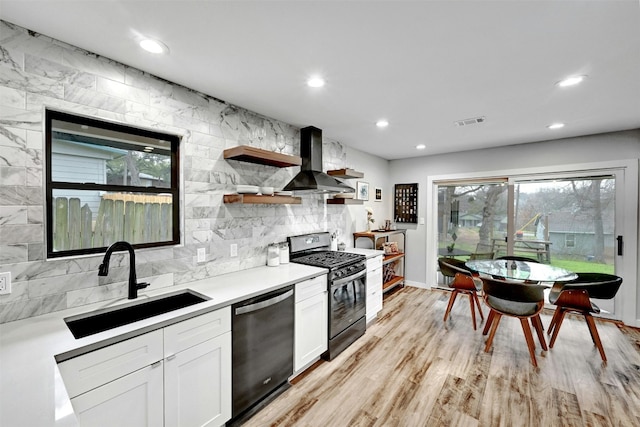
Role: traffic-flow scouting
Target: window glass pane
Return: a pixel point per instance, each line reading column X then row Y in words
column 82, row 153
column 85, row 219
column 471, row 217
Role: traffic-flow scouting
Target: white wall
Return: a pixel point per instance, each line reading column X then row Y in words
column 376, row 173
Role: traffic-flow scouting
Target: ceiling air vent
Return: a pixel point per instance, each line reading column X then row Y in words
column 472, row 121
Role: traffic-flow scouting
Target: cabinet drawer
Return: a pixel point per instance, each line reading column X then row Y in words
column 311, row 287
column 373, row 263
column 88, row 371
column 191, row 332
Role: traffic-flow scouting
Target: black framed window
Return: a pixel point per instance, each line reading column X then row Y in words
column 107, row 182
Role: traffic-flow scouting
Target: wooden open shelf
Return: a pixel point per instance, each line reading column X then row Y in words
column 342, row 201
column 391, row 283
column 392, row 257
column 258, row 198
column 345, row 173
column 250, row 154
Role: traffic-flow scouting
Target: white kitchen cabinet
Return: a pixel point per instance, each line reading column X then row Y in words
column 176, row 376
column 311, row 317
column 374, row 287
column 197, row 370
column 86, row 372
column 132, row 400
column 197, row 384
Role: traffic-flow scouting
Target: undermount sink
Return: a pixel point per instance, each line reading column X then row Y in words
column 102, row 320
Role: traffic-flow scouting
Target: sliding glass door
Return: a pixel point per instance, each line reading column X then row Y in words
column 572, row 219
column 575, row 220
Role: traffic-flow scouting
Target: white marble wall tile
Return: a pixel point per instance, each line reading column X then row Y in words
column 23, row 119
column 13, row 157
column 35, row 251
column 16, row 78
column 61, row 284
column 35, row 214
column 121, row 90
column 34, row 176
column 60, row 73
column 90, row 98
column 94, row 64
column 12, row 175
column 146, row 116
column 35, row 140
column 13, row 137
column 15, row 234
column 10, row 254
column 17, row 196
column 14, row 98
column 84, row 296
column 13, row 215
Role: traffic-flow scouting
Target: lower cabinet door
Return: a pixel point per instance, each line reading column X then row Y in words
column 132, row 400
column 198, row 384
column 374, row 293
column 311, row 330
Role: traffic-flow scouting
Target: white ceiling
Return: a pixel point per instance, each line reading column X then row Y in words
column 420, row 64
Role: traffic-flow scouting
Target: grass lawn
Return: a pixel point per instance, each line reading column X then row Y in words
column 583, row 266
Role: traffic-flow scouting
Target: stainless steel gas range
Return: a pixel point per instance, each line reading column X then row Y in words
column 346, row 287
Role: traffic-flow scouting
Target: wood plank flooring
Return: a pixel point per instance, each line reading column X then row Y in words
column 412, row 369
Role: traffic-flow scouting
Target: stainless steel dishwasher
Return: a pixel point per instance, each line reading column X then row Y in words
column 262, row 337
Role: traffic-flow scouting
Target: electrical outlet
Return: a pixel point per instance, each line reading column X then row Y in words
column 202, row 254
column 5, row 283
column 234, row 249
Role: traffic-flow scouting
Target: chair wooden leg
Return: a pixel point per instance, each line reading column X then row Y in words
column 537, row 325
column 556, row 328
column 494, row 326
column 529, row 337
column 475, row 297
column 554, row 320
column 487, row 325
column 452, row 299
column 594, row 334
column 473, row 311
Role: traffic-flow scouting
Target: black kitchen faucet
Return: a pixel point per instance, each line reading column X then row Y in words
column 103, row 270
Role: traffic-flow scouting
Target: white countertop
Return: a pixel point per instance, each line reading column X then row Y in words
column 32, row 392
column 369, row 253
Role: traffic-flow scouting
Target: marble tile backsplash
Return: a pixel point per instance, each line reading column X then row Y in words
column 37, row 72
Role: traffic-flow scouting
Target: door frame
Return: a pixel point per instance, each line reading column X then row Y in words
column 628, row 296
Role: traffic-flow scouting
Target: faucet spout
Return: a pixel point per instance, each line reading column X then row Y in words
column 103, row 270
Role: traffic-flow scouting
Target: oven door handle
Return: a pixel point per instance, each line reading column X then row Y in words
column 347, row 279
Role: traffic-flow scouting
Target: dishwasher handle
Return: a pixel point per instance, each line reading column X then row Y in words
column 250, row 308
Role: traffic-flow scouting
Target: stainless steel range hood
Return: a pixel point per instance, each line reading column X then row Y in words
column 311, row 179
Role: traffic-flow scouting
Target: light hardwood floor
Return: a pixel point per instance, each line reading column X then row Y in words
column 411, row 369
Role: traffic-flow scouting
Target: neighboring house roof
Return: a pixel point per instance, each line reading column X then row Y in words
column 578, row 222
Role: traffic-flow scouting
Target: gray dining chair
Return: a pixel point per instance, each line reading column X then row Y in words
column 514, row 299
column 575, row 296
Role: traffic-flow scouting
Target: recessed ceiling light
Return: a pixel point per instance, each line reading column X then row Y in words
column 315, row 82
column 556, row 126
column 421, row 146
column 382, row 123
column 154, row 46
column 571, row 81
